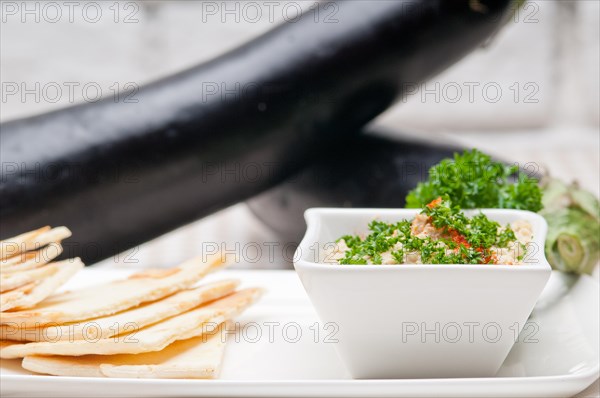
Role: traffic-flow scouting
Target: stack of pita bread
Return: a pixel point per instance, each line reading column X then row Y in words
column 154, row 324
column 27, row 273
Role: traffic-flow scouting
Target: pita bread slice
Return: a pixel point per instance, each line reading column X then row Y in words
column 196, row 358
column 113, row 297
column 32, row 293
column 32, row 241
column 12, row 246
column 18, row 279
column 6, row 299
column 152, row 338
column 32, row 259
column 126, row 321
column 5, row 343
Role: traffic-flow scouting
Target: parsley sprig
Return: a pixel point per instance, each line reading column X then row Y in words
column 473, row 180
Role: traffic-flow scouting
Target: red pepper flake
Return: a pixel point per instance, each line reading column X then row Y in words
column 435, row 203
column 458, row 238
column 488, row 258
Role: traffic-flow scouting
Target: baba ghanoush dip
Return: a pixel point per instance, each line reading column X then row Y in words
column 439, row 234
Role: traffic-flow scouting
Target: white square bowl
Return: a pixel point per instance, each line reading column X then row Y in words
column 419, row 321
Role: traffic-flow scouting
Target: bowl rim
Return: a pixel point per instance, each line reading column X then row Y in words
column 313, row 218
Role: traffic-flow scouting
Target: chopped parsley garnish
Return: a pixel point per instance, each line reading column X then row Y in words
column 380, row 240
column 454, row 239
column 478, row 231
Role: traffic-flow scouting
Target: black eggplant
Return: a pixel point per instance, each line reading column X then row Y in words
column 371, row 170
column 121, row 173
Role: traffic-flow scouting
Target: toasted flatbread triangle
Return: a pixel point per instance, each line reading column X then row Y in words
column 32, row 241
column 39, row 290
column 110, row 298
column 31, row 259
column 7, row 298
column 16, row 280
column 12, row 246
column 125, row 321
column 195, row 358
column 152, row 338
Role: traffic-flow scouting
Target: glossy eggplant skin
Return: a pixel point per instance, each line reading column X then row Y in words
column 119, row 174
column 373, row 170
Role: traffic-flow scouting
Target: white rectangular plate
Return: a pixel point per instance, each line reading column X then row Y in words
column 281, row 349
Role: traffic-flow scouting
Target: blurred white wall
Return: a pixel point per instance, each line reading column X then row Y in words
column 107, row 46
column 539, row 70
column 531, row 94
